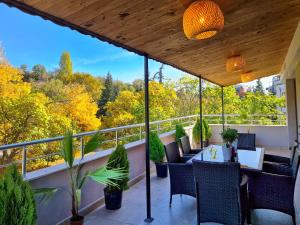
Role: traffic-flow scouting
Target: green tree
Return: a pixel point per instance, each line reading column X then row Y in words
column 39, row 72
column 259, row 87
column 138, row 85
column 106, row 96
column 65, row 67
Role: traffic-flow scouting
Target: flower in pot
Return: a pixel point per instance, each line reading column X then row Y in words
column 179, row 132
column 101, row 175
column 157, row 155
column 113, row 194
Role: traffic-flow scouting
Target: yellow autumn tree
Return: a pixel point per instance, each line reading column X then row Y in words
column 123, row 110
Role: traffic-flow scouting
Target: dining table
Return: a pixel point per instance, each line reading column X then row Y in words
column 250, row 160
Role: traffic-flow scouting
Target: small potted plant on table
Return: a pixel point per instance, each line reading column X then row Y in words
column 113, row 193
column 157, row 155
column 229, row 136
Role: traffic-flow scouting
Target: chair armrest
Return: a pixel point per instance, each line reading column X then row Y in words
column 275, row 168
column 244, row 181
column 271, row 191
column 196, row 151
column 184, row 158
column 276, row 158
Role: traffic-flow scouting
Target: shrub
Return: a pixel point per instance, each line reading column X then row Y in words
column 119, row 160
column 196, row 132
column 157, row 152
column 207, row 130
column 229, row 135
column 17, row 205
column 180, row 132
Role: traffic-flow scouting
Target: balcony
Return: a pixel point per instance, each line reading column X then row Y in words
column 273, row 137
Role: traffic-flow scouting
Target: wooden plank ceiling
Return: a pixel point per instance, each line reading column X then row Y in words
column 260, row 30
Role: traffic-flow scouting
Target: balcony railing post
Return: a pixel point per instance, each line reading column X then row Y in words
column 24, row 161
column 141, row 134
column 116, row 138
column 82, row 147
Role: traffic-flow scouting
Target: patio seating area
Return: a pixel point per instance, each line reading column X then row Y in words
column 221, row 180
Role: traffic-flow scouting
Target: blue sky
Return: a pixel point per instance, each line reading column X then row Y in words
column 30, row 40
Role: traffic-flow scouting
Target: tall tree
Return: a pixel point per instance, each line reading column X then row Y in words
column 65, row 67
column 259, row 87
column 107, row 95
column 138, row 84
column 39, row 72
column 3, row 59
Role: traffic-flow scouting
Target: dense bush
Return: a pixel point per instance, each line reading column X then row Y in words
column 206, row 131
column 157, row 152
column 17, row 205
column 119, row 160
column 180, row 132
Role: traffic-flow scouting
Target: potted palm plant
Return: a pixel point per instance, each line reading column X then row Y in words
column 157, row 155
column 229, row 135
column 101, row 175
column 113, row 194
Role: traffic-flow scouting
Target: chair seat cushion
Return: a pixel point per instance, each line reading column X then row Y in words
column 270, row 217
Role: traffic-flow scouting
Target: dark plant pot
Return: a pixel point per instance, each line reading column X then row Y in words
column 206, row 143
column 78, row 220
column 113, row 199
column 161, row 170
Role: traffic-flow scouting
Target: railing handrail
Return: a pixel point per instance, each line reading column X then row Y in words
column 107, row 130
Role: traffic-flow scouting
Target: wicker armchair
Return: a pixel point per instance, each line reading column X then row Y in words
column 181, row 174
column 221, row 196
column 246, row 141
column 173, row 153
column 185, row 146
column 273, row 191
column 282, row 160
column 283, row 168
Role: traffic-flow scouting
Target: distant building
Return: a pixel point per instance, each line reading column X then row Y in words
column 241, row 90
column 278, row 89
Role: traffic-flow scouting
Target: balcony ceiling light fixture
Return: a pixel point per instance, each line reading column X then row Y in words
column 202, row 19
column 247, row 76
column 235, row 63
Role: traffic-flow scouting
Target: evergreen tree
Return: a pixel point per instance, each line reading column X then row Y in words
column 65, row 67
column 107, row 95
column 259, row 87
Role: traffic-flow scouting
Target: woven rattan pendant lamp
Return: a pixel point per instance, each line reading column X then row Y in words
column 235, row 63
column 202, row 19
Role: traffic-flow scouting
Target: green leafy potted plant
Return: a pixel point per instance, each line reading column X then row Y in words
column 207, row 132
column 17, row 204
column 229, row 135
column 197, row 133
column 101, row 175
column 113, row 194
column 179, row 132
column 157, row 155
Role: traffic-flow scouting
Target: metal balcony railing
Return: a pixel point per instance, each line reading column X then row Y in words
column 124, row 134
